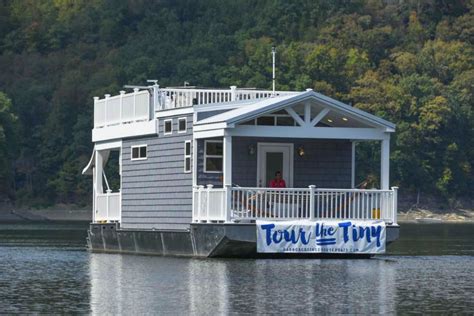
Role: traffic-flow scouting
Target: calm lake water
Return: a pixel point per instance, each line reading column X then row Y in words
column 45, row 268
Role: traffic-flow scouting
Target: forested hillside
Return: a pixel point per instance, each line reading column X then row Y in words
column 411, row 62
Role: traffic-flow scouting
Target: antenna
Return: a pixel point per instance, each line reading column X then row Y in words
column 273, row 65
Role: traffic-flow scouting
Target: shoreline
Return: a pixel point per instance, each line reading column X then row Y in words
column 84, row 215
column 430, row 217
column 45, row 215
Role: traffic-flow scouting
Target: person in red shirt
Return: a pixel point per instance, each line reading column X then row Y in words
column 277, row 182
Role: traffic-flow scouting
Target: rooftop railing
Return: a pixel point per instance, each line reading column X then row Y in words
column 122, row 109
column 170, row 98
column 139, row 105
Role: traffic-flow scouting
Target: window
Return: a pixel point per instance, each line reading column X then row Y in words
column 266, row 120
column 187, row 156
column 139, row 152
column 182, row 125
column 273, row 119
column 213, row 156
column 168, row 127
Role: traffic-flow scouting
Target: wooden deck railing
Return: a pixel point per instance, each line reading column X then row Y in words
column 242, row 204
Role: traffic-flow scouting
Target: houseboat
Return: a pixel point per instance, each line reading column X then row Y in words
column 197, row 173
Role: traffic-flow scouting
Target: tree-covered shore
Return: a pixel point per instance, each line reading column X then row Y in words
column 411, row 62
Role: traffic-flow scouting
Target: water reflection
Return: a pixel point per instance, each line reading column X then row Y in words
column 45, row 269
column 126, row 284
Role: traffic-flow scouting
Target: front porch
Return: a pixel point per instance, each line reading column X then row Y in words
column 309, row 138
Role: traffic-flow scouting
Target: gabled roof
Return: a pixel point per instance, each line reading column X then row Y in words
column 256, row 109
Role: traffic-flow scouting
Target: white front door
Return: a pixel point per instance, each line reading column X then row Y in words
column 273, row 157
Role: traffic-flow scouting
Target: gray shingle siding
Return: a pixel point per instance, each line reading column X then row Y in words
column 156, row 193
column 326, row 163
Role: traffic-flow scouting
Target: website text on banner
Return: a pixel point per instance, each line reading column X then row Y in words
column 303, row 236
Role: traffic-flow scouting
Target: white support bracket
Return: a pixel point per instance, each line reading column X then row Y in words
column 307, row 113
column 319, row 117
column 295, row 116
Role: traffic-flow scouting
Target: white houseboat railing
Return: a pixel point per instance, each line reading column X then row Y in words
column 135, row 107
column 107, row 207
column 121, row 109
column 238, row 203
column 170, row 98
column 210, row 203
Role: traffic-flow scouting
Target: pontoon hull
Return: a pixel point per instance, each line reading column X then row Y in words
column 202, row 240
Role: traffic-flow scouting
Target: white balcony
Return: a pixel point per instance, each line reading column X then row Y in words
column 122, row 109
column 237, row 204
column 132, row 114
column 124, row 115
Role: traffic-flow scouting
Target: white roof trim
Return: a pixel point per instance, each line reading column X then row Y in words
column 243, row 113
column 174, row 112
column 222, row 106
column 256, row 109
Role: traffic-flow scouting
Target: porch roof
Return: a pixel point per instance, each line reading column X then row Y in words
column 255, row 109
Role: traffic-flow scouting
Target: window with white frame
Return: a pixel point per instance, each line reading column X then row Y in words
column 213, row 156
column 182, row 125
column 139, row 152
column 187, row 156
column 168, row 126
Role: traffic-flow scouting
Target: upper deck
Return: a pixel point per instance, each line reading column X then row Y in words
column 139, row 106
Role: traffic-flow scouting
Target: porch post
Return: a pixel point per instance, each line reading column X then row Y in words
column 353, row 166
column 94, row 191
column 312, row 191
column 97, row 178
column 194, row 161
column 227, row 163
column 228, row 203
column 385, row 164
column 227, row 177
column 99, row 169
column 208, row 201
column 394, row 205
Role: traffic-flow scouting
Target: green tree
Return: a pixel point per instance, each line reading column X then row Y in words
column 8, row 147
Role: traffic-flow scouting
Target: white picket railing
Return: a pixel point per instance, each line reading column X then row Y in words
column 209, row 203
column 135, row 107
column 170, row 98
column 121, row 109
column 107, row 207
column 238, row 203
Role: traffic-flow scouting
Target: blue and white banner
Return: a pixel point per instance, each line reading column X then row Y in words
column 329, row 236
